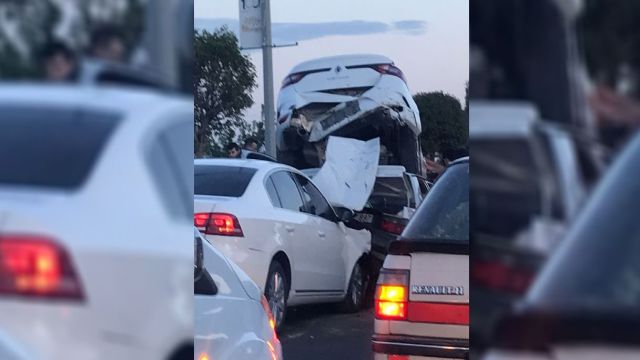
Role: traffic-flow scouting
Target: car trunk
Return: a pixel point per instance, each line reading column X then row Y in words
column 438, row 303
column 344, row 78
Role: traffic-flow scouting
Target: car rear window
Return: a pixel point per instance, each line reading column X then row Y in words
column 51, row 147
column 220, row 180
column 504, row 186
column 390, row 195
column 444, row 214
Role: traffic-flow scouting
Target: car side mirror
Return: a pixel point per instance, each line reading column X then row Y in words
column 198, row 257
column 203, row 283
column 344, row 215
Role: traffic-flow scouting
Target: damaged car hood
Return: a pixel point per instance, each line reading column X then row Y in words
column 349, row 172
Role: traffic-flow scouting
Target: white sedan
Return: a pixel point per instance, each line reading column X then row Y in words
column 222, row 291
column 95, row 223
column 273, row 222
column 360, row 96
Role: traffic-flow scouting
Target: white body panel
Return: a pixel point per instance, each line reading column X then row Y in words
column 124, row 314
column 231, row 324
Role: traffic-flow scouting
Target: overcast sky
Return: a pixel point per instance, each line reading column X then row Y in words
column 427, row 39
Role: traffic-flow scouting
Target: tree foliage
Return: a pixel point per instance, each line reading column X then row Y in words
column 445, row 125
column 222, row 83
column 610, row 37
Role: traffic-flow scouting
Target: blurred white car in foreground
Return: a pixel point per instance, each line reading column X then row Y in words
column 361, row 96
column 274, row 223
column 95, row 257
column 228, row 303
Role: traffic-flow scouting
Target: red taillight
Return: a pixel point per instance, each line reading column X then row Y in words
column 391, row 226
column 499, row 276
column 217, row 224
column 292, row 79
column 36, row 266
column 392, row 295
column 389, row 69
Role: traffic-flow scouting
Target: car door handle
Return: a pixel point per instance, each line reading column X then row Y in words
column 289, row 228
column 322, row 234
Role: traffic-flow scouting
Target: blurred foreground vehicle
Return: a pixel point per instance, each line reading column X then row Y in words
column 527, row 186
column 228, row 302
column 79, row 277
column 274, row 223
column 10, row 349
column 422, row 296
column 356, row 96
column 586, row 302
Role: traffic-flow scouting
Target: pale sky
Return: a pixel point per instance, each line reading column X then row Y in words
column 427, row 39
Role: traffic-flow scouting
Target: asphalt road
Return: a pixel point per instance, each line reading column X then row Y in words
column 322, row 332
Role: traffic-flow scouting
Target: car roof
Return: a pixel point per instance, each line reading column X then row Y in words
column 501, row 119
column 115, row 98
column 248, row 163
column 344, row 60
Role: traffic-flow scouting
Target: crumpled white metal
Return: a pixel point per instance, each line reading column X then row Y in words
column 349, row 172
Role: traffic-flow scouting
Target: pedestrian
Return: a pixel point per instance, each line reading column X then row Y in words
column 60, row 62
column 234, row 151
column 107, row 43
column 251, row 144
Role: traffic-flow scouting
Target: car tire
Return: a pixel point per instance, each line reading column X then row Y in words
column 276, row 291
column 354, row 299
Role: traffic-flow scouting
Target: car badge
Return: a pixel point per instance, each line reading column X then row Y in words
column 338, row 69
column 437, row 290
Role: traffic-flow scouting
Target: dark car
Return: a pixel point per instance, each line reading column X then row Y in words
column 586, row 301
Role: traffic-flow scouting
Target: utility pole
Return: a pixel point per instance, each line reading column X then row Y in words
column 267, row 64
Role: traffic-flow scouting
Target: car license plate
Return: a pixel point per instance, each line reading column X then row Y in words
column 364, row 218
column 350, row 108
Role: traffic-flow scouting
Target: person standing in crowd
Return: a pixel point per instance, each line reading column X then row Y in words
column 60, row 62
column 251, row 144
column 107, row 43
column 234, row 151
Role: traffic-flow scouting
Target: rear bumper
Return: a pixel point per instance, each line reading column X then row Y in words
column 421, row 346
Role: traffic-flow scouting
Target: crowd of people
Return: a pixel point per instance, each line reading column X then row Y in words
column 61, row 62
column 235, row 152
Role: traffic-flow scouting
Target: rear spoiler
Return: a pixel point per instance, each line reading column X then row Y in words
column 407, row 246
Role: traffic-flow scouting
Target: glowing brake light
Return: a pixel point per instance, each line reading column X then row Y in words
column 217, row 224
column 391, row 295
column 36, row 266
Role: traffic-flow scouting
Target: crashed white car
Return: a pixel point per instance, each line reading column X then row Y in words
column 354, row 96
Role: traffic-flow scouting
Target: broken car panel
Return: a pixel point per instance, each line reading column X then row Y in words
column 355, row 96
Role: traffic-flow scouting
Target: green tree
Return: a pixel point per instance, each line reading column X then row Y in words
column 610, row 37
column 445, row 125
column 222, row 83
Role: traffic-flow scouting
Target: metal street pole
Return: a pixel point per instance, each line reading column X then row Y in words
column 267, row 63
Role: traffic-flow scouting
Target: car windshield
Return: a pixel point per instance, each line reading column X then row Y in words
column 444, row 214
column 220, row 180
column 598, row 266
column 390, row 195
column 51, row 148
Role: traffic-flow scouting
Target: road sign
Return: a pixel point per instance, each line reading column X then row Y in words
column 251, row 24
